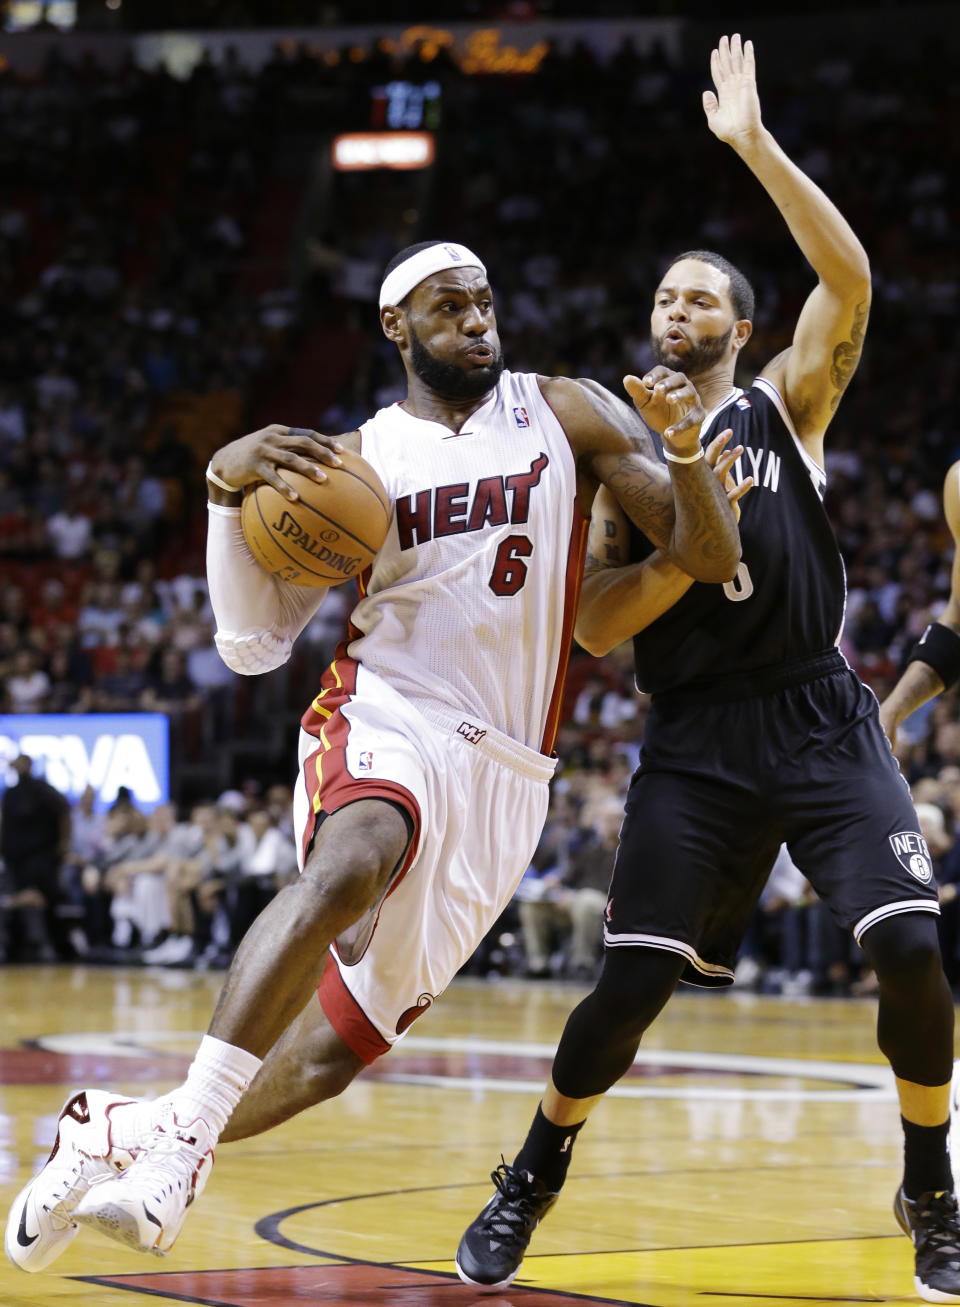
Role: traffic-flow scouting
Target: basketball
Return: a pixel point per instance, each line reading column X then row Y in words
column 328, row 535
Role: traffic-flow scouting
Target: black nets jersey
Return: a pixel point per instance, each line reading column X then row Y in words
column 787, row 599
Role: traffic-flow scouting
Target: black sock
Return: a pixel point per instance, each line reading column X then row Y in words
column 926, row 1159
column 546, row 1151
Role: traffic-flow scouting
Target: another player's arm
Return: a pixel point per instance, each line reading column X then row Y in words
column 828, row 338
column 922, row 680
column 683, row 511
column 620, row 598
column 259, row 616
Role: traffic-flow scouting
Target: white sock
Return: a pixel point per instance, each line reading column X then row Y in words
column 130, row 1123
column 218, row 1078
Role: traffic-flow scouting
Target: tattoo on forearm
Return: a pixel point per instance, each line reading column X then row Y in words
column 612, row 553
column 846, row 356
column 697, row 514
column 642, row 498
column 609, row 528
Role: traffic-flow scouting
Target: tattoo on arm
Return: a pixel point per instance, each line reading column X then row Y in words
column 846, row 356
column 612, row 554
column 644, row 499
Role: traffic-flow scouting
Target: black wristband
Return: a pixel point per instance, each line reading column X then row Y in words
column 939, row 648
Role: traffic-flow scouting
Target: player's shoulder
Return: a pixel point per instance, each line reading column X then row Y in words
column 581, row 402
column 951, row 499
column 759, row 401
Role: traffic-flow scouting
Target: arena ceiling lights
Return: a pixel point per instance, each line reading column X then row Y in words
column 364, row 151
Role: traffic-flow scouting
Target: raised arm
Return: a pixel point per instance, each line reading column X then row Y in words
column 620, row 598
column 828, row 338
column 258, row 616
column 683, row 511
column 935, row 662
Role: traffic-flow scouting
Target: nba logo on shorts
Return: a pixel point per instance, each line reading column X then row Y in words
column 913, row 854
column 521, row 417
column 365, row 762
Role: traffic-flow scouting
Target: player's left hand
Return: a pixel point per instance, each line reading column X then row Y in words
column 733, row 110
column 668, row 402
column 722, row 460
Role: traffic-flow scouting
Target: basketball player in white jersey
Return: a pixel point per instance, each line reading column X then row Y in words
column 425, row 759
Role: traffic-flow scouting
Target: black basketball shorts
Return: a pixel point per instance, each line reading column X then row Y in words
column 722, row 784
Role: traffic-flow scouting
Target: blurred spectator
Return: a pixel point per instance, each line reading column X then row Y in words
column 34, row 835
column 28, row 684
column 561, row 900
column 190, row 861
column 141, row 881
column 169, row 688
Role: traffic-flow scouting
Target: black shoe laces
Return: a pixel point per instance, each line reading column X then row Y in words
column 518, row 1209
column 938, row 1224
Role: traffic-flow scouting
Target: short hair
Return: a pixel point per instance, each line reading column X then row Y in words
column 741, row 292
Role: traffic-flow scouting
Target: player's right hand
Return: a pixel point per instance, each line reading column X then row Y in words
column 733, row 109
column 257, row 457
column 669, row 403
column 722, row 460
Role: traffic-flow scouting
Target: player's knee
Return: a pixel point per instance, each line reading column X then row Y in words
column 635, row 985
column 356, row 852
column 323, row 1078
column 904, row 951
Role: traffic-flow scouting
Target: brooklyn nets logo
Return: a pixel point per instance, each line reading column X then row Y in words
column 913, row 854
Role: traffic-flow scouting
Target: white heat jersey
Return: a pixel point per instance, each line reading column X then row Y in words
column 471, row 600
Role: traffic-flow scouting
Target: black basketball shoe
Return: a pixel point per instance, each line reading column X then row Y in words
column 933, row 1223
column 493, row 1245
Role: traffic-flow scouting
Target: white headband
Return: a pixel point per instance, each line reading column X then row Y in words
column 435, row 258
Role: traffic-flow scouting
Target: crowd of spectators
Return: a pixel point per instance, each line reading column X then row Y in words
column 147, row 310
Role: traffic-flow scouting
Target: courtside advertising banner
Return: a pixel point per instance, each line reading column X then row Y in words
column 109, row 751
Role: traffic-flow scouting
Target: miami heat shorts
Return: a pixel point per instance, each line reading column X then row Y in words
column 721, row 785
column 476, row 802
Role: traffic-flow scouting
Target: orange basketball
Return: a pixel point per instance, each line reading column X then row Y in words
column 328, row 535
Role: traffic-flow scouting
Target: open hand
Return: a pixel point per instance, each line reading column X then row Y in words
column 733, row 110
column 722, row 460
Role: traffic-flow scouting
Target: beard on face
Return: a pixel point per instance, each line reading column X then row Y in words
column 449, row 381
column 700, row 356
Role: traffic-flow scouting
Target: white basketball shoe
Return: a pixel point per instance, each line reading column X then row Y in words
column 41, row 1223
column 146, row 1206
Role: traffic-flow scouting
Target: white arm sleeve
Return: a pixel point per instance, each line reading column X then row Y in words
column 258, row 616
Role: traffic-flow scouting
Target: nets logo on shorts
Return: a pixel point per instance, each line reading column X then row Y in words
column 913, row 855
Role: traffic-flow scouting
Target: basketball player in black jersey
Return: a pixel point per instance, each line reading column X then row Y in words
column 759, row 733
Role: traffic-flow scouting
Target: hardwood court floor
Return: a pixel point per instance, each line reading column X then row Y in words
column 749, row 1159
